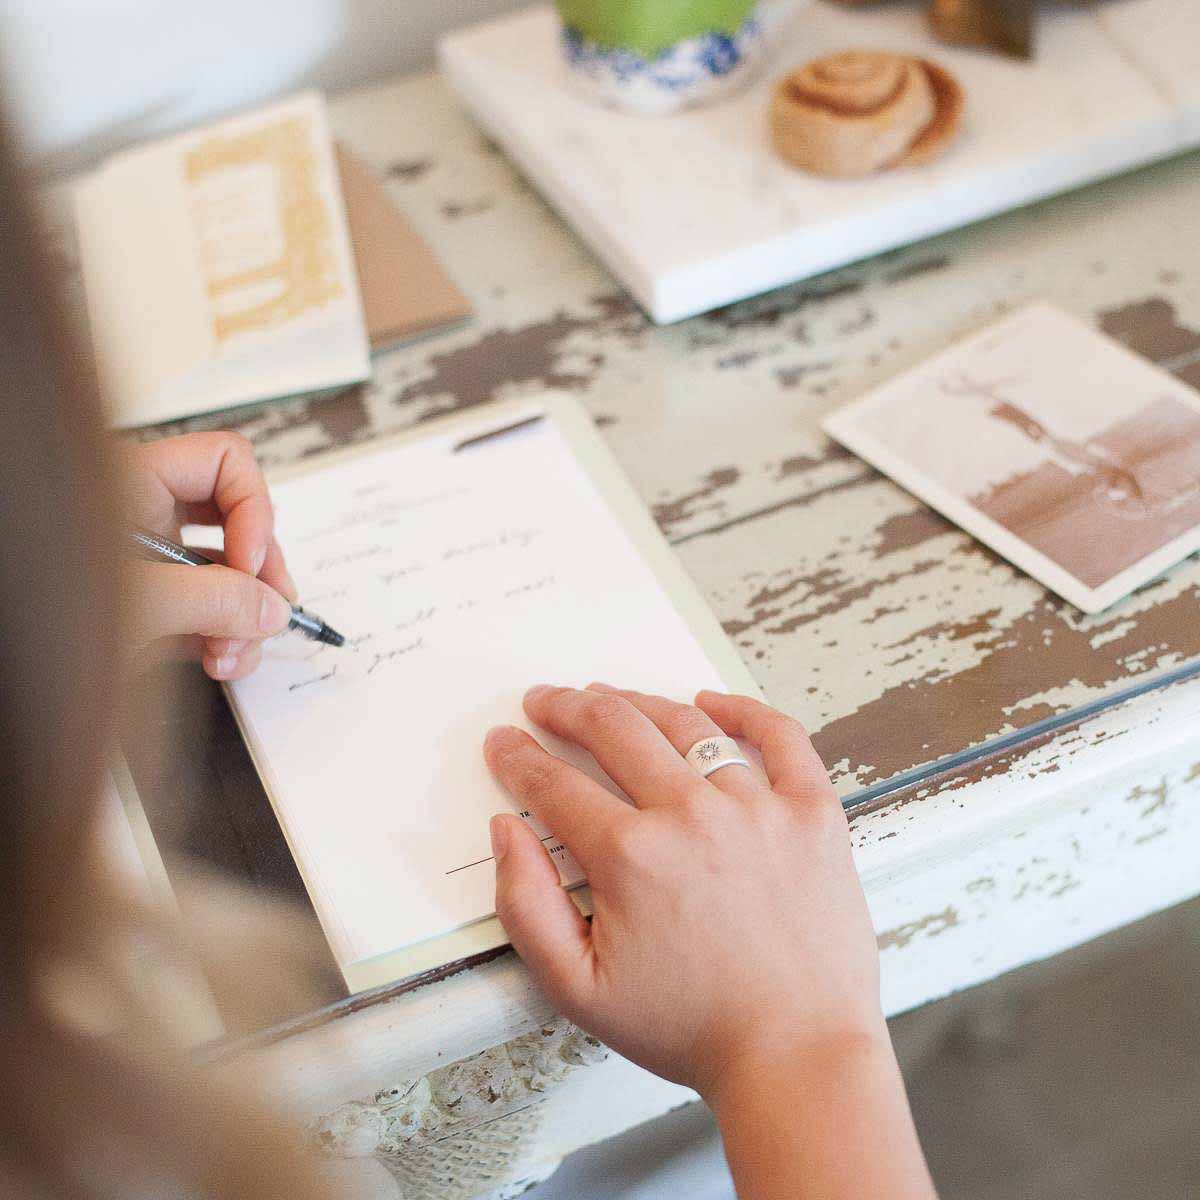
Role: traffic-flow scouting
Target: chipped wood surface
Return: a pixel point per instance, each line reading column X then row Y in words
column 894, row 637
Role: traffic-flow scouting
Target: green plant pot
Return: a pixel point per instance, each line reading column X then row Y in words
column 649, row 27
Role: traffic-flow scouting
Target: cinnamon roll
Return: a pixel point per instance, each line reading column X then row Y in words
column 862, row 110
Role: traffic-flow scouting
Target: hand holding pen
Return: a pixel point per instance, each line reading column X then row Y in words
column 223, row 614
column 154, row 547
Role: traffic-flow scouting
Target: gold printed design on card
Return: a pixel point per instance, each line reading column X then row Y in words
column 266, row 237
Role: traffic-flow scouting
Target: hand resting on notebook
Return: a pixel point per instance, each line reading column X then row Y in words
column 730, row 949
column 218, row 614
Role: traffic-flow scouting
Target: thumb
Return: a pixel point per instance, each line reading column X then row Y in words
column 216, row 601
column 540, row 918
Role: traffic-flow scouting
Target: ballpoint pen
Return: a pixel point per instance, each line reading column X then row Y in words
column 157, row 548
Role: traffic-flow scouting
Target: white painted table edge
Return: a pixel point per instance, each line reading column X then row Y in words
column 354, row 1052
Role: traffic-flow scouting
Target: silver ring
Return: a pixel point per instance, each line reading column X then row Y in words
column 711, row 754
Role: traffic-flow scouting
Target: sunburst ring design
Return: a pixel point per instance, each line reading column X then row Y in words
column 712, row 753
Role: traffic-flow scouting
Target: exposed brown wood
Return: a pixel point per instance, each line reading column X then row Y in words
column 896, row 638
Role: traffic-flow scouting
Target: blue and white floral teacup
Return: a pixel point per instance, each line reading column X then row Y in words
column 704, row 65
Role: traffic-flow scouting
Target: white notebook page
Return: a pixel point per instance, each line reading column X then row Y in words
column 460, row 579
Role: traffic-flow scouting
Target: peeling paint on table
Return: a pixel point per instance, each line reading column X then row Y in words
column 893, row 636
column 896, row 638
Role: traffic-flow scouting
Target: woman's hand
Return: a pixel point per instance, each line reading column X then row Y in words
column 730, row 947
column 729, row 922
column 218, row 614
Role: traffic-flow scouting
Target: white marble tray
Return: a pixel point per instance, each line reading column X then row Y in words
column 694, row 210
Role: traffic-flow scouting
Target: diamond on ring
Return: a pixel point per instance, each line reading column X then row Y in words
column 711, row 754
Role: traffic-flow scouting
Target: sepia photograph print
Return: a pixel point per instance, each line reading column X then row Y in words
column 1057, row 447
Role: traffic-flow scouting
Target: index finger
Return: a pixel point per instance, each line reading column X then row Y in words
column 576, row 809
column 630, row 748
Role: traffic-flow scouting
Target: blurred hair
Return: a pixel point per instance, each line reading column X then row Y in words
column 100, row 1097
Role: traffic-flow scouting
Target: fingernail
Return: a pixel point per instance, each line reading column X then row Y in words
column 224, row 666
column 274, row 613
column 256, row 562
column 498, row 829
column 601, row 687
column 536, row 690
column 290, row 590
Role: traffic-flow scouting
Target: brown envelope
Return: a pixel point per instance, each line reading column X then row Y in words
column 405, row 292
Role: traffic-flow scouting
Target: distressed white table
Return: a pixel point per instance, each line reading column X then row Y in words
column 897, row 639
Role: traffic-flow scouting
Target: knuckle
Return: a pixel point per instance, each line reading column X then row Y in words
column 236, row 603
column 826, row 816
column 792, row 747
column 795, row 728
column 805, row 774
column 698, row 804
column 539, row 778
column 626, row 843
column 611, row 844
column 779, row 724
column 237, row 447
column 605, row 714
column 767, row 811
column 709, row 816
column 239, row 466
column 688, row 724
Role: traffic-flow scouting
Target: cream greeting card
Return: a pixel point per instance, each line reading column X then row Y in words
column 219, row 269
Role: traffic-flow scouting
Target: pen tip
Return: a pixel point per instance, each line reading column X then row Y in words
column 331, row 636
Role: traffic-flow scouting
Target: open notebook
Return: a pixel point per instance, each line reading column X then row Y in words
column 464, row 562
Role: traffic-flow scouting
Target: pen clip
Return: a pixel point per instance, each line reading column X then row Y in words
column 479, row 438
